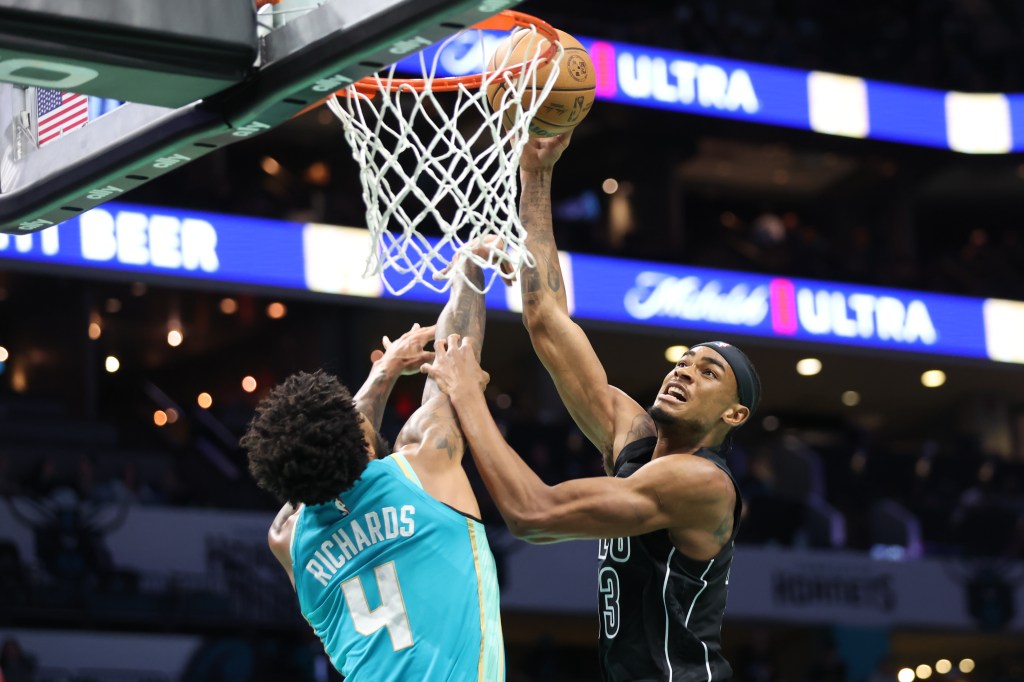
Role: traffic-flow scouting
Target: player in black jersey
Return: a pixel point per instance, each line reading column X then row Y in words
column 668, row 512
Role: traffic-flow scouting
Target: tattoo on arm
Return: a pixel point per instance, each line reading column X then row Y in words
column 554, row 275
column 724, row 529
column 531, row 281
column 464, row 314
column 444, row 443
column 373, row 396
column 435, row 425
column 641, row 427
column 467, row 312
column 535, row 213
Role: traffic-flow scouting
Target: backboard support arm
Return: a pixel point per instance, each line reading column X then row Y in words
column 300, row 63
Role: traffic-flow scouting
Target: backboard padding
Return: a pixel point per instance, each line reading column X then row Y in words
column 164, row 53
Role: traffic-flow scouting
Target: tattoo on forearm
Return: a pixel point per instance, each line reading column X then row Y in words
column 554, row 275
column 372, row 397
column 464, row 314
column 531, row 281
column 534, row 209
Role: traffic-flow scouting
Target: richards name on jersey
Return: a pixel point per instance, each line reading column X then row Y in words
column 354, row 536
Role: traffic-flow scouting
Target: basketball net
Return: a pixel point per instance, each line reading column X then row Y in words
column 437, row 159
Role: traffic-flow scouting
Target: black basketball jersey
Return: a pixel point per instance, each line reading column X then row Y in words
column 661, row 612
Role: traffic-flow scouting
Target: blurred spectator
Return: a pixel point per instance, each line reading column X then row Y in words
column 985, row 522
column 44, row 480
column 169, row 491
column 782, row 480
column 15, row 664
column 85, row 483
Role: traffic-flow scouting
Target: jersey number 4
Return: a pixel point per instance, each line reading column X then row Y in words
column 391, row 613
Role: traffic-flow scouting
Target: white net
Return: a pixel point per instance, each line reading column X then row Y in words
column 439, row 170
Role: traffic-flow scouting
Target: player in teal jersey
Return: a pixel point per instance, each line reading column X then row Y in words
column 384, row 549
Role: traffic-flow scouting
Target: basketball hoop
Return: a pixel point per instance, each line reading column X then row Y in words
column 449, row 165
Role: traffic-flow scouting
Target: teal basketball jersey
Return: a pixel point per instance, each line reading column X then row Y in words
column 397, row 585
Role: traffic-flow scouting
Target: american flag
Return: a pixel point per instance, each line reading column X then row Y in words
column 59, row 112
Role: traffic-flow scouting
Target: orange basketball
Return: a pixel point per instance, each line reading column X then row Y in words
column 570, row 98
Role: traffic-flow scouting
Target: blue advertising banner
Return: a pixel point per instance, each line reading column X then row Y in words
column 158, row 241
column 979, row 123
column 760, row 305
column 331, row 260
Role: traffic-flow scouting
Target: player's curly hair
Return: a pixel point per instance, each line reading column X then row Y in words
column 305, row 443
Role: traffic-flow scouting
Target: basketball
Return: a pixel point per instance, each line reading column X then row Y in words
column 570, row 98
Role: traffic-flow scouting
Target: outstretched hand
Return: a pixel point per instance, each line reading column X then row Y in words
column 455, row 368
column 406, row 353
column 541, row 153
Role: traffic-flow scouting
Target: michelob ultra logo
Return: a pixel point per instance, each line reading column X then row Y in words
column 830, row 312
column 631, row 72
column 642, row 76
column 791, row 309
column 657, row 294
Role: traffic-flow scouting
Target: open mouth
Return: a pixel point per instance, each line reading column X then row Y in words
column 675, row 392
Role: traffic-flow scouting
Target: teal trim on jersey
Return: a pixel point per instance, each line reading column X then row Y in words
column 397, row 585
column 492, row 652
column 406, row 468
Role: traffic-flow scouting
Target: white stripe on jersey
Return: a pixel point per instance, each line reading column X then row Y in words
column 664, row 590
column 707, row 663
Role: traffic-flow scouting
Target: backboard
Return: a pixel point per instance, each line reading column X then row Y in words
column 191, row 88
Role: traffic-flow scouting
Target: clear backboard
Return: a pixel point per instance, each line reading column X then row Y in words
column 195, row 79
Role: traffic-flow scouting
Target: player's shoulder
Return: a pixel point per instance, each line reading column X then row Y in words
column 397, row 465
column 695, row 477
column 690, row 490
column 376, row 469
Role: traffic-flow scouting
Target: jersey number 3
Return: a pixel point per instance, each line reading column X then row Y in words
column 391, row 613
column 615, row 549
column 608, row 585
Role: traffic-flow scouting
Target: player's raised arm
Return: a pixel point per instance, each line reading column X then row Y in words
column 465, row 312
column 402, row 356
column 681, row 492
column 431, row 440
column 608, row 417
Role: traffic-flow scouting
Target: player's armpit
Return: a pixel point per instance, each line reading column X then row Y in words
column 631, row 424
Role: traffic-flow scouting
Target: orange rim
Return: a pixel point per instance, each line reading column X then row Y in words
column 505, row 20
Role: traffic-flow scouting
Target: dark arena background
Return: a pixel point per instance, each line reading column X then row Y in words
column 836, row 187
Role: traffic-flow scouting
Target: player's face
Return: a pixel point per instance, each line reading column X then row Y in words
column 699, row 389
